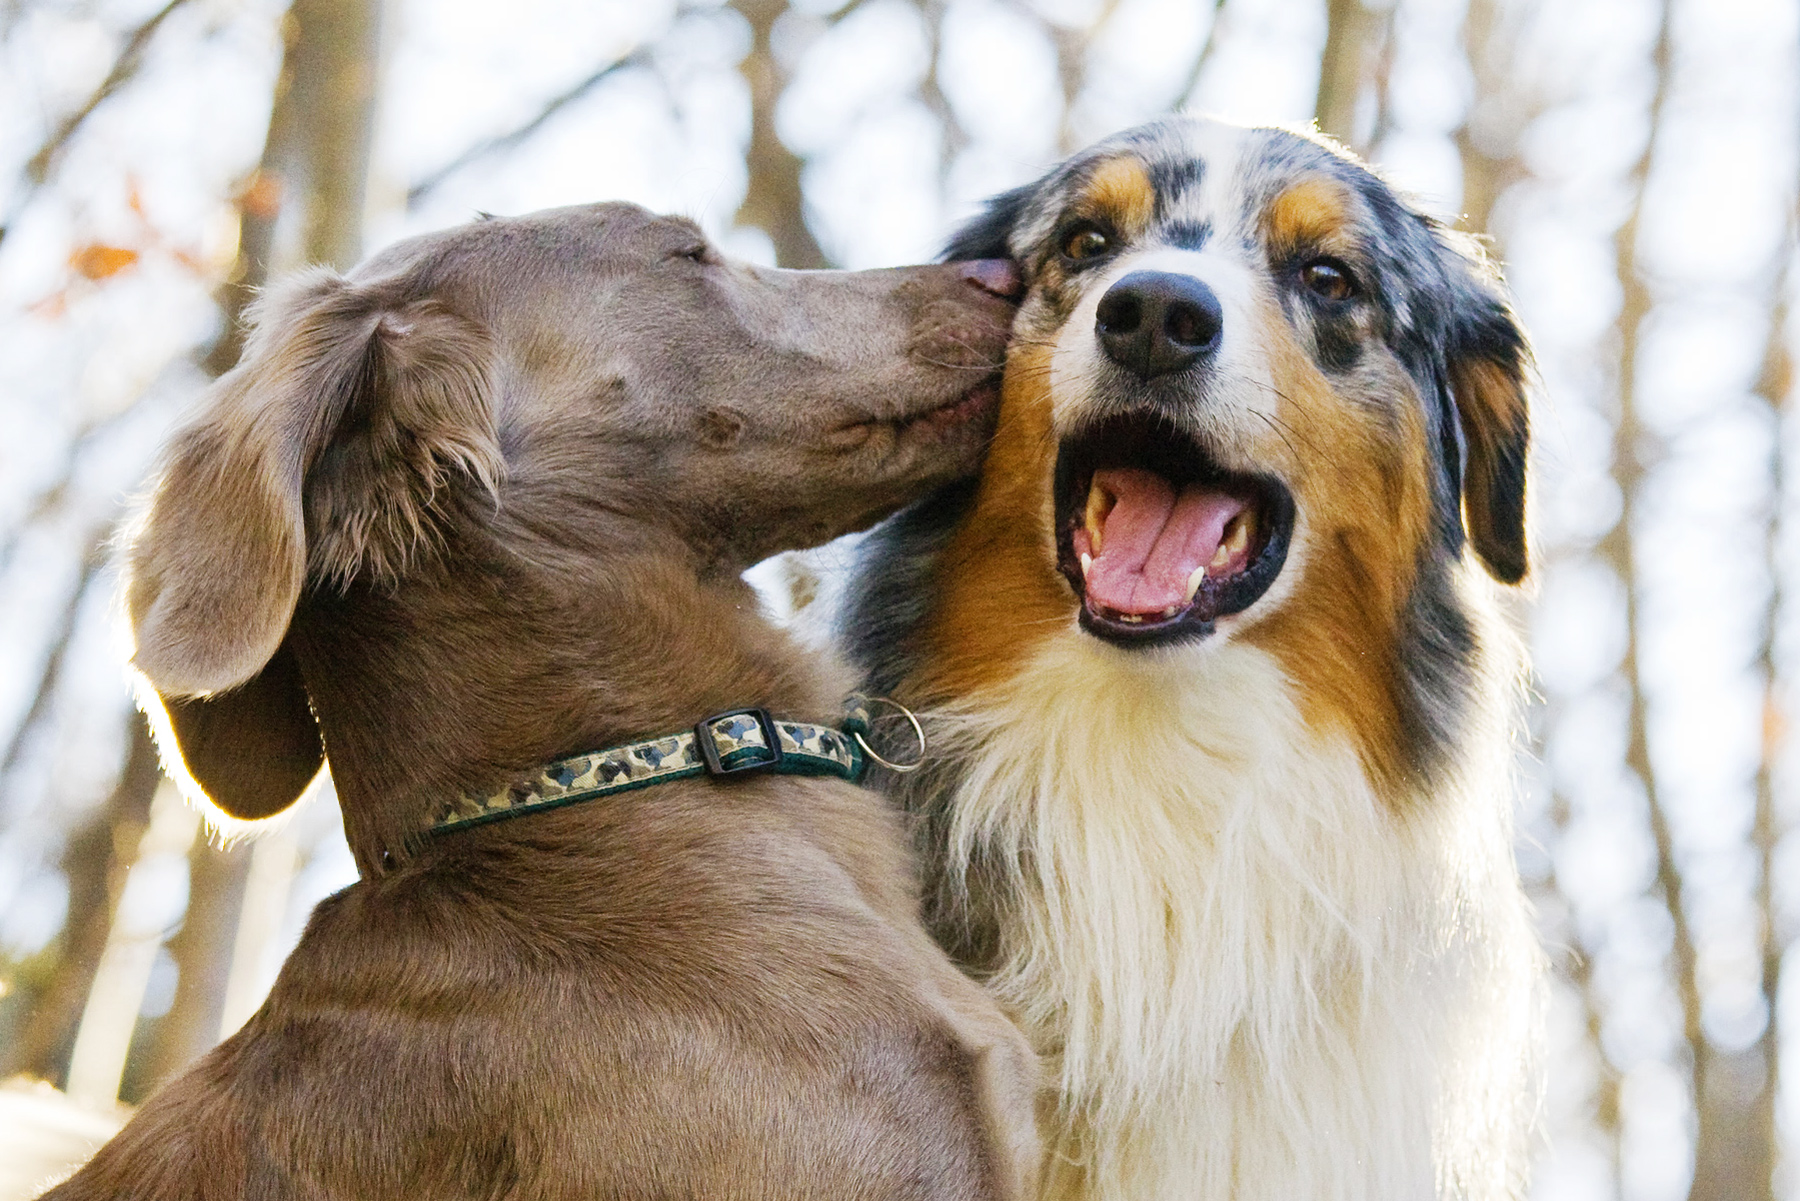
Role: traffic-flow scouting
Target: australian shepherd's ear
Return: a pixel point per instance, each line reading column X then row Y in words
column 351, row 413
column 1488, row 362
column 988, row 235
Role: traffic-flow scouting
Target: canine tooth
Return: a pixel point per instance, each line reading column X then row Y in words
column 1087, row 561
column 1171, row 611
column 1237, row 537
column 1099, row 504
column 1194, row 582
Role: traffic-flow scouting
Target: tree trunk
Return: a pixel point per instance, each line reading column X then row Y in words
column 1734, row 1159
column 1487, row 140
column 308, row 190
column 202, row 951
column 303, row 204
column 1343, row 67
column 95, row 862
column 773, row 201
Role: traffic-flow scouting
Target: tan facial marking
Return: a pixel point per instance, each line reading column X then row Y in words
column 1120, row 191
column 1314, row 212
column 1366, row 502
column 999, row 591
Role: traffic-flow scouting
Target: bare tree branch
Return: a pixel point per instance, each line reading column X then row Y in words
column 1618, row 549
column 955, row 137
column 1617, row 545
column 125, row 67
column 1071, row 65
column 51, row 674
column 1342, row 67
column 50, row 500
column 513, row 138
column 774, row 201
column 1204, row 58
column 1776, row 386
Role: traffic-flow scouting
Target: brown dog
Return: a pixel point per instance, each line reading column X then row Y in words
column 485, row 502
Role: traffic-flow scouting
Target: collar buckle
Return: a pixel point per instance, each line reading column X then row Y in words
column 725, row 738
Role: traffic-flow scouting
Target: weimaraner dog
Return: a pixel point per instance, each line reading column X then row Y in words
column 471, row 521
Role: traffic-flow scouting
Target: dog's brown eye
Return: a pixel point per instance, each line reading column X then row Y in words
column 1328, row 279
column 1086, row 242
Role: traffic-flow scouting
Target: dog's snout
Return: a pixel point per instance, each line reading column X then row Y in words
column 997, row 276
column 1156, row 322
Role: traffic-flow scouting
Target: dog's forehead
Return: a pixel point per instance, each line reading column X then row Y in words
column 1190, row 180
column 551, row 238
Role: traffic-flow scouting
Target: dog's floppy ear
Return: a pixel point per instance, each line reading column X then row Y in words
column 322, row 458
column 1488, row 366
column 988, row 235
column 252, row 750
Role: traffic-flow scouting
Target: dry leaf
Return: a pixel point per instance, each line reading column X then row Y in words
column 261, row 195
column 97, row 260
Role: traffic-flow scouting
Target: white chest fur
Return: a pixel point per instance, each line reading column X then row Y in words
column 1252, row 976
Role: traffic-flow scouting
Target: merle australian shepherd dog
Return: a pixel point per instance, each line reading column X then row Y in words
column 1220, row 702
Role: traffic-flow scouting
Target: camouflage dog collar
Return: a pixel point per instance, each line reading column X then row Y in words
column 727, row 744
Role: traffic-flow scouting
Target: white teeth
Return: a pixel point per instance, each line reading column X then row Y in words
column 1171, row 611
column 1131, row 618
column 1194, row 582
column 1087, row 563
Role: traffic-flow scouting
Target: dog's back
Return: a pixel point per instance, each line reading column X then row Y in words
column 742, row 1019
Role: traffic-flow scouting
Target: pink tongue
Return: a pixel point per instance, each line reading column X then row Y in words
column 1153, row 539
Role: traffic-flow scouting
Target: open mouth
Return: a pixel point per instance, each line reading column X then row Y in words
column 1156, row 538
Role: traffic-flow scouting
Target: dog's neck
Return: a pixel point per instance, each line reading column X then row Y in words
column 488, row 665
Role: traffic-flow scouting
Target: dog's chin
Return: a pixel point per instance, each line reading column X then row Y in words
column 936, row 425
column 968, row 413
column 1157, row 538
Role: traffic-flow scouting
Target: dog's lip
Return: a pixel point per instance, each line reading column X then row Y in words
column 1147, row 442
column 962, row 407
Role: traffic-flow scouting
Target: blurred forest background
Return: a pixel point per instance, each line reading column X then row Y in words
column 1635, row 163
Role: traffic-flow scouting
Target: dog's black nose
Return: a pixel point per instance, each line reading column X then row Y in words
column 1155, row 322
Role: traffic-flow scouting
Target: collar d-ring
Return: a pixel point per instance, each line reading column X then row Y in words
column 856, row 732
